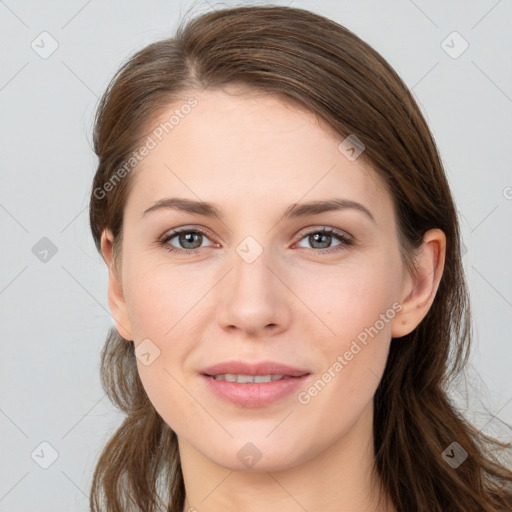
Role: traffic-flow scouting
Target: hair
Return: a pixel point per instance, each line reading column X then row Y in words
column 322, row 66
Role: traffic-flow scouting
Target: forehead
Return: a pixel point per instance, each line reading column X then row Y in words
column 240, row 144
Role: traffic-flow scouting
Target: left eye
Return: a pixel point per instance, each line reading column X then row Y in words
column 191, row 240
column 324, row 237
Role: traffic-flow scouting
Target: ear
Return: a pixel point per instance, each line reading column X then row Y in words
column 419, row 290
column 116, row 299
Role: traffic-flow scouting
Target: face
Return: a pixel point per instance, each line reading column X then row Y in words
column 261, row 285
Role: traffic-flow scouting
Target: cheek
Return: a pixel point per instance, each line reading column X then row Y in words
column 354, row 362
column 163, row 299
column 163, row 304
column 344, row 301
column 351, row 329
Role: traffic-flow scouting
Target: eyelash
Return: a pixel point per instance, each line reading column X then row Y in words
column 345, row 241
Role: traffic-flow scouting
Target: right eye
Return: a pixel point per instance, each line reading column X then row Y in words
column 189, row 239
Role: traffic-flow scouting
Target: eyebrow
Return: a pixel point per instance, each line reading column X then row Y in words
column 293, row 211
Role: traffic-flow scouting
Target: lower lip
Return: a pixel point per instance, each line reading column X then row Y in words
column 254, row 394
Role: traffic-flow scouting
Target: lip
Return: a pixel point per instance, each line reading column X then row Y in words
column 254, row 395
column 261, row 368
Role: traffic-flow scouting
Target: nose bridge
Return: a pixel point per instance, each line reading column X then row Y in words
column 252, row 277
column 253, row 297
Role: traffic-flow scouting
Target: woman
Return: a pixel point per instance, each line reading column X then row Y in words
column 285, row 277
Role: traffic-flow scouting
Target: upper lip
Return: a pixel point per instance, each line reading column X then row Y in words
column 248, row 368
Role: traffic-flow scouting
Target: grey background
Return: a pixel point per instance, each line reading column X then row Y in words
column 54, row 313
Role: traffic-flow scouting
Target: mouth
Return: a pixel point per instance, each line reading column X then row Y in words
column 249, row 379
column 252, row 385
column 243, row 371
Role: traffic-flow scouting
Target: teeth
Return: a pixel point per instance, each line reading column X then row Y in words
column 245, row 379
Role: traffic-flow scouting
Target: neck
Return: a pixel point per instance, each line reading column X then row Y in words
column 339, row 478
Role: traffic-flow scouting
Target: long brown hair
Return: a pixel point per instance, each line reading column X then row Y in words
column 318, row 64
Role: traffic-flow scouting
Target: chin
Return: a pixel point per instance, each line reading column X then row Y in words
column 258, row 453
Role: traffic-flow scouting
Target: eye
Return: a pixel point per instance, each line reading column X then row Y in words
column 321, row 239
column 190, row 239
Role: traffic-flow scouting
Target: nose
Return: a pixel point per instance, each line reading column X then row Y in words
column 253, row 299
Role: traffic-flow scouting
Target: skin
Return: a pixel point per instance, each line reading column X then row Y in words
column 253, row 156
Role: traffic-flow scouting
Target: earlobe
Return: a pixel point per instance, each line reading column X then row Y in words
column 420, row 289
column 116, row 299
